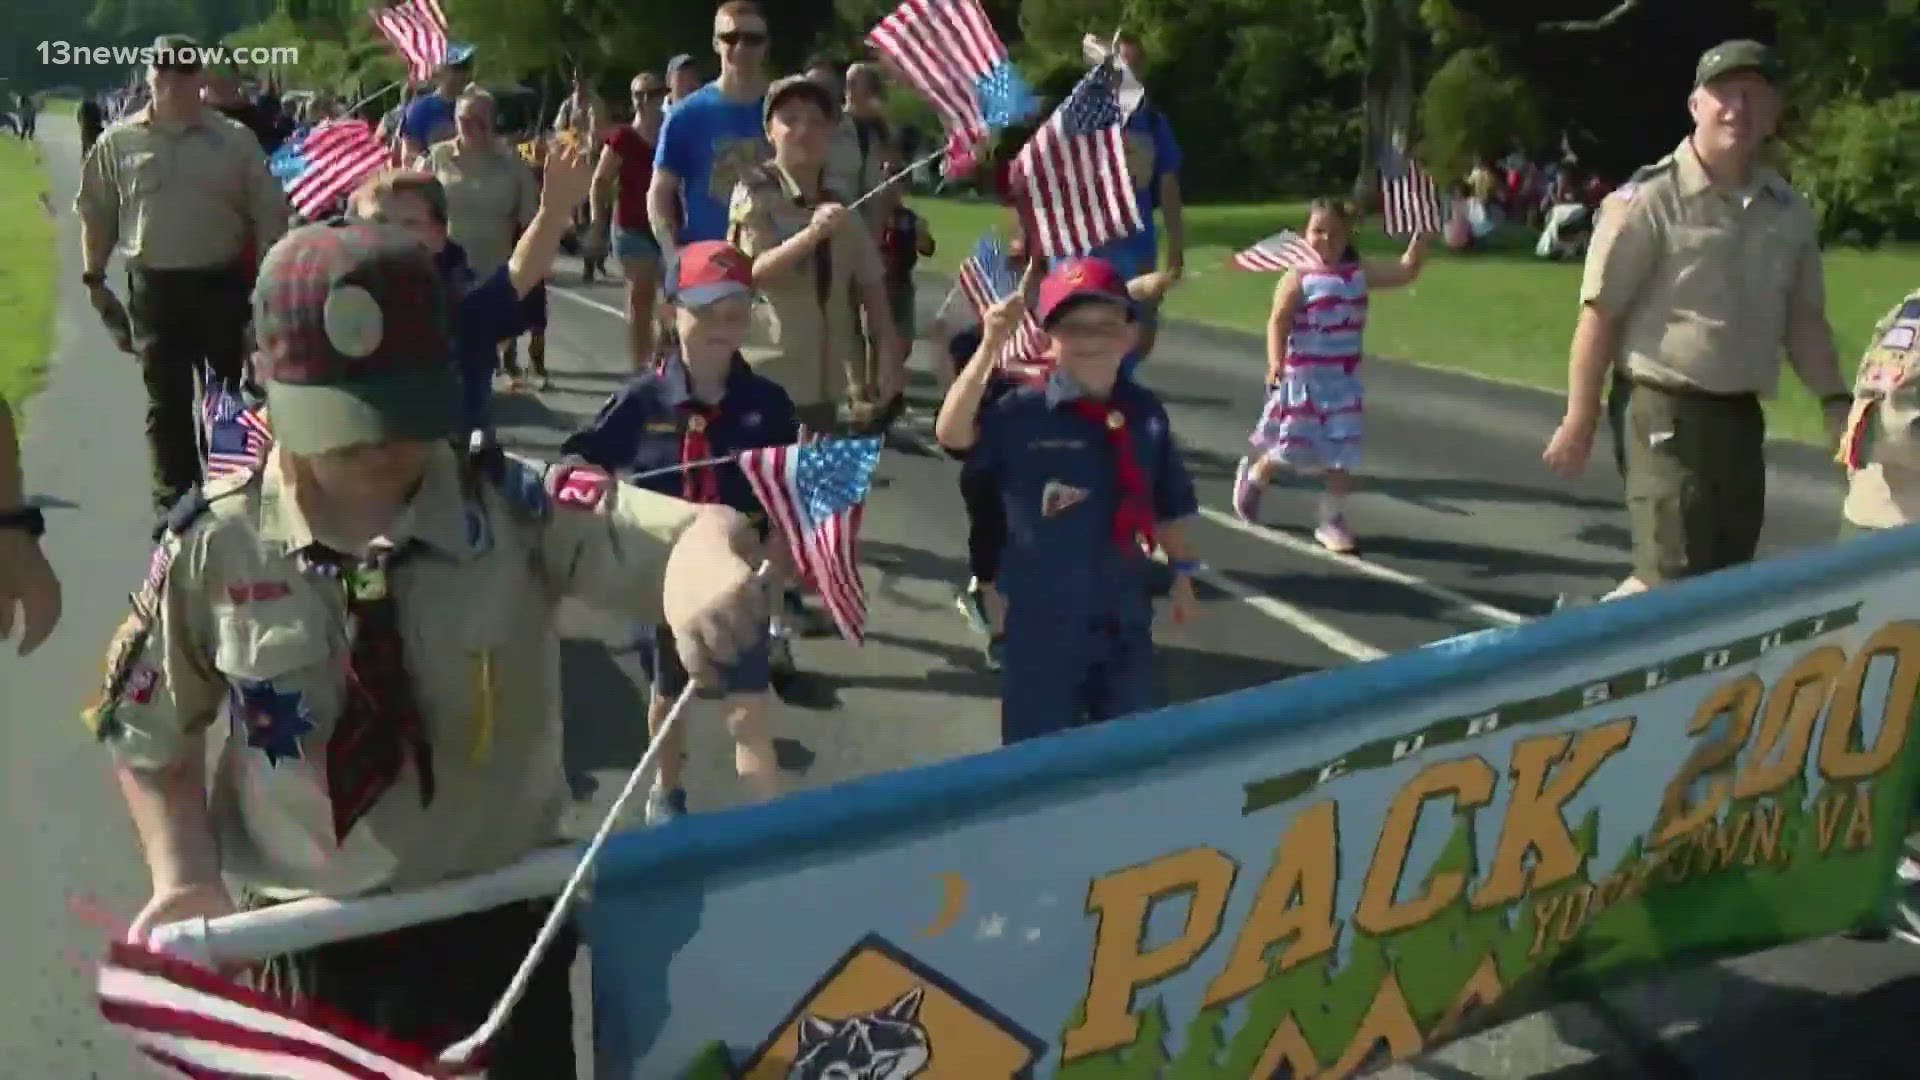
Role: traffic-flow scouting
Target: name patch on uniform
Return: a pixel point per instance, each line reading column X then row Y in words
column 256, row 592
column 1900, row 337
column 1057, row 498
column 579, row 487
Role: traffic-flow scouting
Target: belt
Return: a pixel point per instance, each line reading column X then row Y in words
column 1694, row 392
column 209, row 270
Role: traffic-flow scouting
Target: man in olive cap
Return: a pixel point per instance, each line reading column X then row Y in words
column 375, row 612
column 1702, row 268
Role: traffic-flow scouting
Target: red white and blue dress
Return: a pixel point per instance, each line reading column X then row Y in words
column 1312, row 418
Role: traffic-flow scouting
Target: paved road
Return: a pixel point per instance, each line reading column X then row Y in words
column 1463, row 529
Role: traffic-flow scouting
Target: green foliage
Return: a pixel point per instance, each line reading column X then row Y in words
column 1859, row 163
column 1474, row 107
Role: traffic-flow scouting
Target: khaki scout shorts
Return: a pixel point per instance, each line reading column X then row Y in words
column 1696, row 481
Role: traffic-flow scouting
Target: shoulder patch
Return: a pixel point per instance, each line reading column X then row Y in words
column 578, row 487
column 740, row 204
column 519, row 482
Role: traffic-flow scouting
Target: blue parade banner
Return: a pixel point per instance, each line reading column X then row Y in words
column 1285, row 880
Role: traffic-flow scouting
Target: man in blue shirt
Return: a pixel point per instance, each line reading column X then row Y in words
column 1089, row 478
column 1153, row 161
column 486, row 312
column 711, row 139
column 702, row 404
column 428, row 120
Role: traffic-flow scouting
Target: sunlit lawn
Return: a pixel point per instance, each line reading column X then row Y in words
column 27, row 266
column 1500, row 314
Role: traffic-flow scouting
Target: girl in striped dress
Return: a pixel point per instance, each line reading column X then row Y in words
column 1311, row 422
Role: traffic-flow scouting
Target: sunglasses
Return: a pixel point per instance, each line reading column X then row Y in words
column 744, row 37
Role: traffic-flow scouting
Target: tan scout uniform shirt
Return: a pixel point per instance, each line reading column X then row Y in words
column 806, row 335
column 235, row 617
column 490, row 195
column 1703, row 282
column 180, row 196
column 1881, row 447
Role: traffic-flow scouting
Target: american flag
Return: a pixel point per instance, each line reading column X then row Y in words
column 986, row 278
column 236, row 437
column 950, row 53
column 1131, row 93
column 335, row 158
column 815, row 493
column 196, row 1024
column 1282, row 251
column 418, row 30
column 1410, row 201
column 1073, row 172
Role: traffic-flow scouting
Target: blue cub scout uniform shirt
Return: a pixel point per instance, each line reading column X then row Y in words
column 642, row 428
column 1055, row 474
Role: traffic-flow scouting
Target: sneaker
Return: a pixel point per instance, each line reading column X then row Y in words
column 665, row 806
column 1334, row 535
column 546, row 384
column 972, row 603
column 1246, row 493
column 996, row 653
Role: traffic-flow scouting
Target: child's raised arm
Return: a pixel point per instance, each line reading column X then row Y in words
column 1405, row 271
column 1286, row 303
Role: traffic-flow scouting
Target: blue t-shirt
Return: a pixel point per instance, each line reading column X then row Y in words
column 710, row 142
column 428, row 120
column 1152, row 154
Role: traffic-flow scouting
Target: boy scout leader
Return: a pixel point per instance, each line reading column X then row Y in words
column 1089, row 477
column 376, row 615
column 1701, row 269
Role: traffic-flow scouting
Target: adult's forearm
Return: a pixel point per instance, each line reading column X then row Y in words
column 1589, row 360
column 96, row 246
column 12, row 483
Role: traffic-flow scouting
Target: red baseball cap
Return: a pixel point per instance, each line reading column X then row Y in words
column 707, row 271
column 1080, row 279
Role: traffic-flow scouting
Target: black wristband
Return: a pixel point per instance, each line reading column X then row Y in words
column 27, row 519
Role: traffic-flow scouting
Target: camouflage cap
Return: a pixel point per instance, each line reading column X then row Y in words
column 1731, row 56
column 356, row 347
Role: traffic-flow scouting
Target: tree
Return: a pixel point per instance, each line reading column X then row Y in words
column 1474, row 108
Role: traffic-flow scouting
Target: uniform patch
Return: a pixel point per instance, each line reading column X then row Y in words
column 1900, row 338
column 146, row 601
column 258, row 592
column 1057, row 498
column 524, row 486
column 1909, row 310
column 141, row 684
column 579, row 487
column 273, row 720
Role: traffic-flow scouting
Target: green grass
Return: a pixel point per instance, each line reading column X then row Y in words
column 27, row 265
column 1500, row 314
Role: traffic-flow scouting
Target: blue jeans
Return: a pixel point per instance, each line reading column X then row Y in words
column 632, row 246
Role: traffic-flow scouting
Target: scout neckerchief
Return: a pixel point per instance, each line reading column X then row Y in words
column 381, row 718
column 1133, row 508
column 702, row 484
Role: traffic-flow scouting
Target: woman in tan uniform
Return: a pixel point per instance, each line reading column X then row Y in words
column 491, row 195
column 816, row 265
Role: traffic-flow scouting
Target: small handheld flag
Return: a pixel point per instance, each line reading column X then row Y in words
column 417, row 30
column 987, row 278
column 236, row 438
column 949, row 52
column 1073, row 172
column 1282, row 251
column 814, row 493
column 1410, row 200
column 336, row 157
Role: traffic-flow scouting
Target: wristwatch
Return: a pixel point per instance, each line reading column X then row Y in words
column 93, row 281
column 27, row 519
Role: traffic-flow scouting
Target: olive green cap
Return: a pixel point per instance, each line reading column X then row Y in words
column 1731, row 56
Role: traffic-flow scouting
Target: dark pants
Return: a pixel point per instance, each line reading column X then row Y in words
column 986, row 522
column 184, row 321
column 1696, row 481
column 432, row 985
column 1063, row 672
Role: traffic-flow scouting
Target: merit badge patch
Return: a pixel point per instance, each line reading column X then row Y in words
column 1057, row 498
column 578, row 487
column 141, row 684
column 273, row 720
column 1900, row 338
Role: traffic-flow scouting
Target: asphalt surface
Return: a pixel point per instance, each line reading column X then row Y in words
column 1461, row 528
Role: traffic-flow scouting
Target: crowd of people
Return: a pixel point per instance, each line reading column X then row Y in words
column 371, row 600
